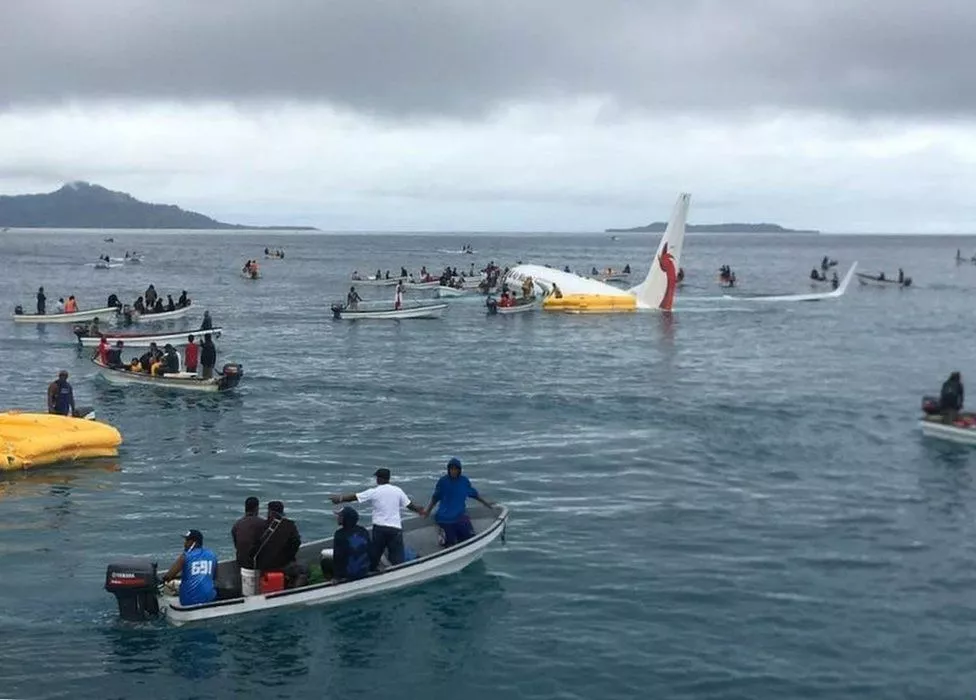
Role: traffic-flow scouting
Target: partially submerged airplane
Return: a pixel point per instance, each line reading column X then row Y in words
column 574, row 293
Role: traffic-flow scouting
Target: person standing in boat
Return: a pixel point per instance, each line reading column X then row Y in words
column 208, row 356
column 170, row 304
column 387, row 500
column 245, row 534
column 60, row 396
column 71, row 306
column 450, row 497
column 41, row 302
column 951, row 397
column 196, row 568
column 207, row 323
column 183, row 301
column 150, row 296
column 191, row 356
column 901, row 276
column 353, row 298
column 398, row 297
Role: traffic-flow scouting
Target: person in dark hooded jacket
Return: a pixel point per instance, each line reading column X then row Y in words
column 350, row 547
column 951, row 397
column 278, row 545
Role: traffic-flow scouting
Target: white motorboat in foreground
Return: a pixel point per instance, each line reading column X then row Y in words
column 144, row 340
column 160, row 315
column 521, row 306
column 225, row 380
column 385, row 310
column 134, row 581
column 451, row 292
column 933, row 427
column 106, row 312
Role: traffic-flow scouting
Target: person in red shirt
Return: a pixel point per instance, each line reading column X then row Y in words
column 192, row 355
column 103, row 351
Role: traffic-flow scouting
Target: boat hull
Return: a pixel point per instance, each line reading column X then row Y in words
column 942, row 431
column 177, row 382
column 533, row 305
column 160, row 316
column 109, row 311
column 144, row 340
column 867, row 280
column 388, row 314
column 439, row 563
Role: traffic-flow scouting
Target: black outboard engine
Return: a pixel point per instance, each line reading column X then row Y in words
column 18, row 310
column 231, row 375
column 133, row 583
column 337, row 311
column 931, row 405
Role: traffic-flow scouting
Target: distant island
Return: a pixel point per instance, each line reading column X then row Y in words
column 83, row 205
column 659, row 226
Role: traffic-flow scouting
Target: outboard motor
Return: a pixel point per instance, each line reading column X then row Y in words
column 133, row 583
column 930, row 405
column 18, row 310
column 231, row 375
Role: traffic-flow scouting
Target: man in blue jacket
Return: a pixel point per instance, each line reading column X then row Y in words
column 450, row 496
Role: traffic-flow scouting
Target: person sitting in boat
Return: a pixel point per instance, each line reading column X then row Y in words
column 881, row 277
column 71, row 306
column 278, row 545
column 450, row 496
column 814, row 274
column 113, row 300
column 113, row 358
column 134, row 365
column 158, row 308
column 353, row 298
column 196, row 568
column 350, row 548
column 139, row 306
column 355, row 275
column 423, row 272
column 60, row 396
column 170, row 304
column 151, row 357
column 387, row 274
column 951, row 397
column 403, row 272
column 627, row 269
column 171, row 360
column 183, row 301
column 825, row 263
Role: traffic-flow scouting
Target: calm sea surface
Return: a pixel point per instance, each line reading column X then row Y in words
column 730, row 502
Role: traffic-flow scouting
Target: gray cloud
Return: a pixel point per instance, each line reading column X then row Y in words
column 468, row 57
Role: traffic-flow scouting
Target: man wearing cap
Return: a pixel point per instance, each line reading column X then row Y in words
column 245, row 534
column 387, row 500
column 60, row 396
column 196, row 568
column 450, row 496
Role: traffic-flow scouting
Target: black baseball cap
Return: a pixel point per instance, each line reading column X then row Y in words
column 194, row 535
column 382, row 473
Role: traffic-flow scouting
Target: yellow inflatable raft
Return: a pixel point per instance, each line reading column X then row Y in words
column 590, row 303
column 34, row 439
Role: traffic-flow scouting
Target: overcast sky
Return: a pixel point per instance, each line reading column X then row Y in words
column 843, row 115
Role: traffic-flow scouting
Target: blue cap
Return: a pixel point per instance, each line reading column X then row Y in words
column 454, row 462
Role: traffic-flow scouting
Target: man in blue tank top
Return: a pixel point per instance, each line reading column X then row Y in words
column 196, row 568
column 451, row 495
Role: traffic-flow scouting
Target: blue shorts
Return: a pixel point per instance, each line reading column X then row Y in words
column 458, row 531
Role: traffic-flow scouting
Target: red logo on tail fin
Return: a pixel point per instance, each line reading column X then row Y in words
column 666, row 262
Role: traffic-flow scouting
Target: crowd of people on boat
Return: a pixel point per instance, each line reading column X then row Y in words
column 266, row 548
column 274, row 253
column 251, row 269
column 725, row 276
column 821, row 276
column 156, row 362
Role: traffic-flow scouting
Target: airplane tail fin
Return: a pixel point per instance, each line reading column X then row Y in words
column 658, row 288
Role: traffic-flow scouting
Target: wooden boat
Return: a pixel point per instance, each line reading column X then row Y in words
column 76, row 317
column 225, row 380
column 160, row 315
column 144, row 340
column 134, row 581
column 384, row 310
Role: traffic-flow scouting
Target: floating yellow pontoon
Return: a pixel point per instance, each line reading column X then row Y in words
column 590, row 303
column 34, row 439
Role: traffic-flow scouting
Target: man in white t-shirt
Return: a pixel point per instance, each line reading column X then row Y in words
column 387, row 501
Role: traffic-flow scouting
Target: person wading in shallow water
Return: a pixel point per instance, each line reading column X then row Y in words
column 60, row 396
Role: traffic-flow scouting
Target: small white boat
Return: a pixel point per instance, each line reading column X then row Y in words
column 933, row 427
column 618, row 277
column 102, row 265
column 384, row 310
column 378, row 282
column 522, row 306
column 76, row 317
column 225, row 380
column 433, row 284
column 144, row 340
column 160, row 315
column 882, row 280
column 133, row 260
column 134, row 582
column 450, row 292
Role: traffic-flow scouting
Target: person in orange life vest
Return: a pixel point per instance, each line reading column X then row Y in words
column 71, row 306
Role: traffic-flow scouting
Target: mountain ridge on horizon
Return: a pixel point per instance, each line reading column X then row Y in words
column 80, row 204
column 660, row 226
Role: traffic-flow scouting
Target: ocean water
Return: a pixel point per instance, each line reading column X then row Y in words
column 731, row 501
